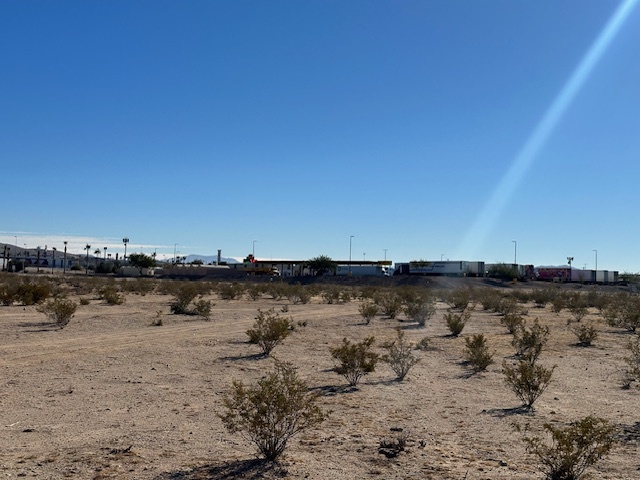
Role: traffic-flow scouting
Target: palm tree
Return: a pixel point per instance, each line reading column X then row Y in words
column 97, row 252
column 87, row 248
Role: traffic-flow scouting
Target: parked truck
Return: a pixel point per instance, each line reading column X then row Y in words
column 362, row 270
column 445, row 268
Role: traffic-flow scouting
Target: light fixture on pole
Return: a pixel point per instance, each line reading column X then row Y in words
column 125, row 240
column 350, row 243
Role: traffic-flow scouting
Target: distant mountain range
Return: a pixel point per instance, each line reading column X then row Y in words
column 206, row 259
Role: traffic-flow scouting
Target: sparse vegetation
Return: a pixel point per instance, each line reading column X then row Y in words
column 512, row 321
column 527, row 379
column 269, row 330
column 272, row 412
column 355, row 360
column 633, row 361
column 530, row 341
column 368, row 310
column 230, row 291
column 420, row 309
column 399, row 356
column 456, row 321
column 573, row 449
column 586, row 334
column 389, row 302
column 111, row 295
column 59, row 310
column 477, row 352
column 423, row 344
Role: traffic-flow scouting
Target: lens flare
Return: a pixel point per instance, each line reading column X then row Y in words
column 491, row 212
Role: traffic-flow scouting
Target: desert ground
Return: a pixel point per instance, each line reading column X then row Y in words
column 111, row 396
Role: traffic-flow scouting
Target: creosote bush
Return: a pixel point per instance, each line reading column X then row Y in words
column 456, row 321
column 477, row 352
column 269, row 330
column 202, row 308
column 423, row 344
column 272, row 412
column 59, row 310
column 586, row 334
column 512, row 321
column 530, row 341
column 389, row 302
column 420, row 309
column 399, row 356
column 354, row 360
column 230, row 291
column 368, row 310
column 633, row 361
column 111, row 295
column 527, row 379
column 573, row 449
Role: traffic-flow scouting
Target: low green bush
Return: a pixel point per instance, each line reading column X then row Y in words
column 269, row 330
column 355, row 360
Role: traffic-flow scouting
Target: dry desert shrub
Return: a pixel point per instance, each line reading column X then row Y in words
column 272, row 412
column 623, row 311
column 573, row 448
column 389, row 302
column 354, row 360
column 368, row 310
column 489, row 298
column 230, row 291
column 399, row 356
column 586, row 334
column 456, row 321
column 633, row 361
column 255, row 291
column 420, row 309
column 459, row 298
column 512, row 321
column 59, row 310
column 527, row 379
column 269, row 330
column 139, row 286
column 530, row 341
column 24, row 292
column 477, row 352
column 542, row 296
column 298, row 294
column 111, row 295
column 423, row 344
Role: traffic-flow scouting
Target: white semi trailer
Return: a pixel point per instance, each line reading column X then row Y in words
column 362, row 270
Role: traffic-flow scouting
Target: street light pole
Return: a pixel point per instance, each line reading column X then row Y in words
column 64, row 265
column 350, row 243
column 515, row 252
column 125, row 241
column 385, row 254
column 596, row 259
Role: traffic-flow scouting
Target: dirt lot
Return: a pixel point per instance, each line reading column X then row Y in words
column 110, row 396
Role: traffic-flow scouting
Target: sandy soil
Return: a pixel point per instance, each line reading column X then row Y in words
column 110, row 396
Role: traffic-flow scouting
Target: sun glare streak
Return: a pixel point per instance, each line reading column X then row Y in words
column 523, row 161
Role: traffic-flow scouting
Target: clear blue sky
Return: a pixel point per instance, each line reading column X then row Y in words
column 211, row 124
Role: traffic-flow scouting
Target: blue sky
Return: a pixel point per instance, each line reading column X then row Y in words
column 211, row 124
